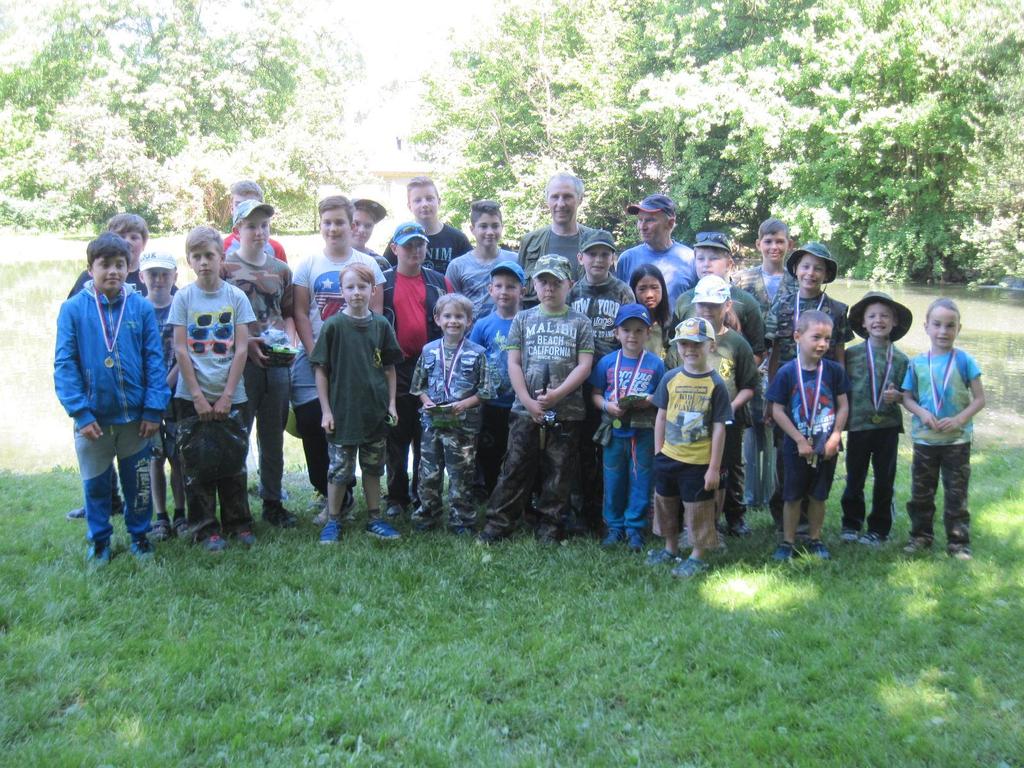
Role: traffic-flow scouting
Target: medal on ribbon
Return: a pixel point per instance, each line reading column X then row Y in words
column 631, row 389
column 110, row 338
column 809, row 410
column 878, row 387
column 939, row 397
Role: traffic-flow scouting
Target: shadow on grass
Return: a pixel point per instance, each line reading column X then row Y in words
column 437, row 651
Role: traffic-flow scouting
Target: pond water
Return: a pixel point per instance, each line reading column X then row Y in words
column 35, row 434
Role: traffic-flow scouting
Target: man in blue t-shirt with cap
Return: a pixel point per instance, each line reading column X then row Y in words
column 656, row 218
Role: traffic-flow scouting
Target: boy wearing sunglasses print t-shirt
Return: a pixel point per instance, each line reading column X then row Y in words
column 211, row 341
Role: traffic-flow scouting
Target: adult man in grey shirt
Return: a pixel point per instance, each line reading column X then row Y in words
column 564, row 194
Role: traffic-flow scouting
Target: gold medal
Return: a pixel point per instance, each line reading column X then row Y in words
column 109, row 362
column 617, row 423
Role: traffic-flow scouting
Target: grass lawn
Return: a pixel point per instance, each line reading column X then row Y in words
column 437, row 651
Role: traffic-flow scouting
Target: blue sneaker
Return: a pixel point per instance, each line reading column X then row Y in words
column 662, row 557
column 817, row 548
column 381, row 530
column 99, row 554
column 142, row 549
column 330, row 532
column 783, row 553
column 689, row 568
column 635, row 540
column 613, row 537
column 214, row 543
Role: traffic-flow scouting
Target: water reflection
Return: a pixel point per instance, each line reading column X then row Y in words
column 35, row 433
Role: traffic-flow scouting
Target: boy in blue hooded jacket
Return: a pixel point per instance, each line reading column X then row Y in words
column 110, row 377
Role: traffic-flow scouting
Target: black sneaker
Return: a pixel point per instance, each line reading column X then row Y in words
column 739, row 530
column 275, row 514
column 488, row 537
column 76, row 514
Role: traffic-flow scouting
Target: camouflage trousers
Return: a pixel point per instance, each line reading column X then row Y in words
column 454, row 450
column 953, row 463
column 555, row 460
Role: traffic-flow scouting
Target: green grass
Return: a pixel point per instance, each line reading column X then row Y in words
column 436, row 651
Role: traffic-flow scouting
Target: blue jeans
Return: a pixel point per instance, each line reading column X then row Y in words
column 628, row 480
column 96, row 464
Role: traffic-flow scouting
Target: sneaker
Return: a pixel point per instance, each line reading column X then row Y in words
column 460, row 530
column 331, row 532
column 394, row 510
column 739, row 530
column 422, row 525
column 849, row 535
column 959, row 552
column 662, row 557
column 76, row 514
column 783, row 553
column 161, row 530
column 321, row 518
column 487, row 537
column 214, row 543
column 276, row 515
column 180, row 526
column 613, row 537
column 381, row 530
column 689, row 568
column 917, row 545
column 142, row 549
column 817, row 548
column 99, row 554
column 635, row 540
column 246, row 538
column 871, row 539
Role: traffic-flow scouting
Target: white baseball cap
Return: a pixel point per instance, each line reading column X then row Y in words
column 711, row 289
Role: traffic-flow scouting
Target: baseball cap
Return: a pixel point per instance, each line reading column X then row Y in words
column 157, row 260
column 653, row 204
column 711, row 289
column 247, row 208
column 630, row 311
column 818, row 250
column 598, row 237
column 372, row 207
column 694, row 329
column 553, row 265
column 718, row 240
column 511, row 267
column 410, row 230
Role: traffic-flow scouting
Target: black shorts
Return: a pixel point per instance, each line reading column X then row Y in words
column 800, row 479
column 674, row 478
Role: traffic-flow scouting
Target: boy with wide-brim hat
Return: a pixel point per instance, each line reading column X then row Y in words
column 876, row 369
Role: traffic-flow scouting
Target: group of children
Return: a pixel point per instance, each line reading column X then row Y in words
column 598, row 391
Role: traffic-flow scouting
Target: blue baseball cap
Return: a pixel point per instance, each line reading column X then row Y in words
column 630, row 311
column 510, row 267
column 410, row 230
column 653, row 204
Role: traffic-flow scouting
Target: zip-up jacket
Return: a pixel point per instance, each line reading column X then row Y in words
column 135, row 387
column 435, row 289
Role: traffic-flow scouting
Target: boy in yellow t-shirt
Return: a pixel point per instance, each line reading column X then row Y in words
column 689, row 437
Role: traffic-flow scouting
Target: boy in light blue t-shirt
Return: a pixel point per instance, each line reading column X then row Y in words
column 943, row 390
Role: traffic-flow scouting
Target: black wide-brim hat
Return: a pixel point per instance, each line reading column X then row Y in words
column 904, row 318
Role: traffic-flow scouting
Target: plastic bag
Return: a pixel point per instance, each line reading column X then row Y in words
column 212, row 449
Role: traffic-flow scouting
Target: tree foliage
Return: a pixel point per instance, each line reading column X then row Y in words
column 886, row 127
column 156, row 106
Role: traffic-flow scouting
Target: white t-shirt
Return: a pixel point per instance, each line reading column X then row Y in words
column 210, row 319
column 322, row 277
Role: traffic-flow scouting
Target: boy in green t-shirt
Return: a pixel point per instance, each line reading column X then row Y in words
column 355, row 357
column 550, row 351
column 876, row 370
column 689, row 436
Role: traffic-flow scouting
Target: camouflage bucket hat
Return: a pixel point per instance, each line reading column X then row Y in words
column 818, row 250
